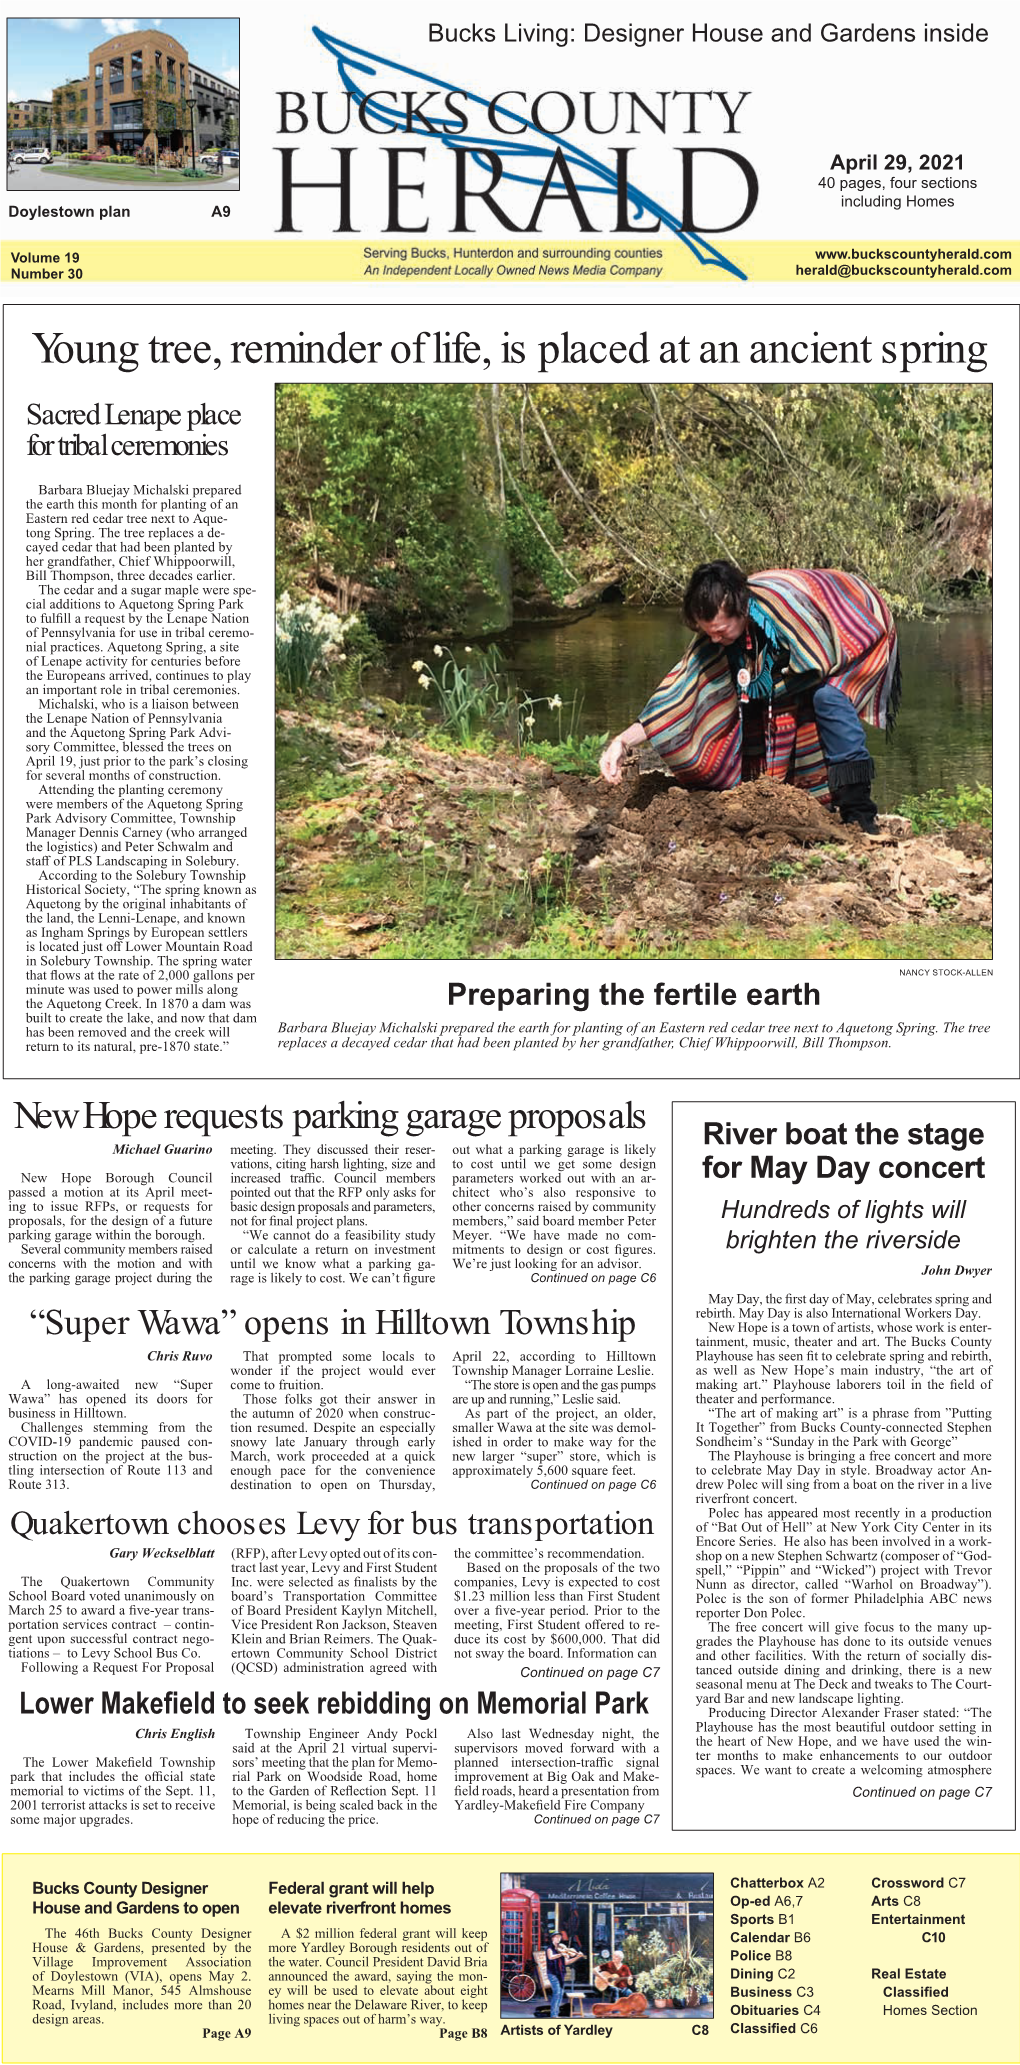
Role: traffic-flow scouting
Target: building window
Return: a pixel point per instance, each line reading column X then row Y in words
column 171, row 70
column 116, row 75
column 127, row 123
column 136, row 68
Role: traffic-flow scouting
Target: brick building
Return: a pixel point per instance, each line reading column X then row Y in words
column 125, row 75
column 28, row 123
column 146, row 81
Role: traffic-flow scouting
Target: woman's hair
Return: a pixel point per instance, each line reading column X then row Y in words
column 719, row 585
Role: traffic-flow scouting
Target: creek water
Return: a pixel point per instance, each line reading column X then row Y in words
column 608, row 663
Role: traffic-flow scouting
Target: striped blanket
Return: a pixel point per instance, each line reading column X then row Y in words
column 837, row 629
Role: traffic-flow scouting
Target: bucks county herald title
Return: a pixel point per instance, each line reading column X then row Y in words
column 518, row 162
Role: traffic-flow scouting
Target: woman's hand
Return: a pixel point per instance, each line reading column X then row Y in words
column 611, row 763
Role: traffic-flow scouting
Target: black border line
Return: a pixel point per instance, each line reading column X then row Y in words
column 226, row 1075
column 897, row 1103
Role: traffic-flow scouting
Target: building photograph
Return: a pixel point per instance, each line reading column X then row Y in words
column 157, row 103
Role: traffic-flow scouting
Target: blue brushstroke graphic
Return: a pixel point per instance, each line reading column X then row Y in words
column 355, row 66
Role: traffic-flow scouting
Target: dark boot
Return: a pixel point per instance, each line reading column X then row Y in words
column 850, row 789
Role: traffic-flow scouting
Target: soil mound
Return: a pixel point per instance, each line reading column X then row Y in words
column 765, row 854
column 661, row 809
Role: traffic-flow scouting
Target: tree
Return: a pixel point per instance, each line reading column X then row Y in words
column 300, row 472
column 427, row 496
column 887, row 480
column 65, row 116
column 160, row 114
column 405, row 500
column 70, row 116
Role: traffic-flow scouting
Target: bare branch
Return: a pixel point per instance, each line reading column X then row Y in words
column 673, row 449
column 743, row 407
column 660, row 572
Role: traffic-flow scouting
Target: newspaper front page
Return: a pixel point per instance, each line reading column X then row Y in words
column 509, row 1075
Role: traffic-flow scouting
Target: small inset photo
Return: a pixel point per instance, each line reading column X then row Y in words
column 155, row 103
column 606, row 1945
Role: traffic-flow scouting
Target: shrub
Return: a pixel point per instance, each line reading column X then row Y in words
column 939, row 807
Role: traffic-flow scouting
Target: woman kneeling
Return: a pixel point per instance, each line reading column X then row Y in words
column 783, row 668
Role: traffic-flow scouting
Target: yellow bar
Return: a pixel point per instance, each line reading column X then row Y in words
column 431, row 261
column 301, row 1958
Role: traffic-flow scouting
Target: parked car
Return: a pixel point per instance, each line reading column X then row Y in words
column 36, row 156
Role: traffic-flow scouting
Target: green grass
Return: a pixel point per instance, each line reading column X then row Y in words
column 843, row 943
column 434, row 912
column 306, row 767
column 572, row 935
column 437, row 912
column 571, row 755
column 127, row 173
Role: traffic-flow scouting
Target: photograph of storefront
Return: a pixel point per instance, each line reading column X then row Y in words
column 611, row 1944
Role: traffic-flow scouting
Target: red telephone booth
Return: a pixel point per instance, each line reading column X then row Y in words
column 519, row 1932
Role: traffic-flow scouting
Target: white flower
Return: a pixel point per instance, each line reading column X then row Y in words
column 530, row 722
column 438, row 650
column 417, row 666
column 555, row 702
column 468, row 648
